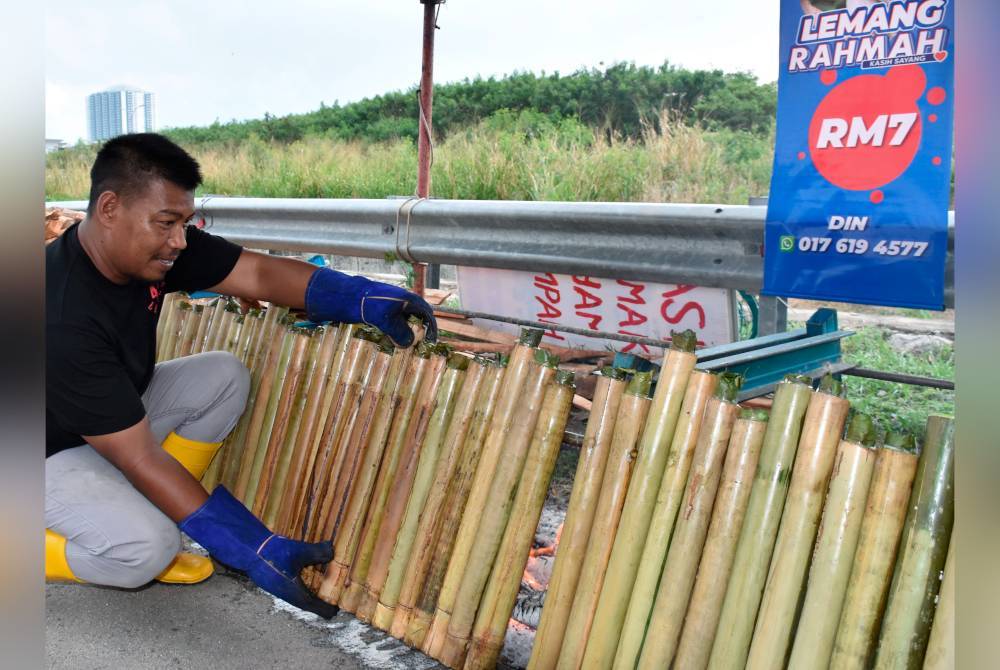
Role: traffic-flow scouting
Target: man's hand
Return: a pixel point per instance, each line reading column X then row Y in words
column 334, row 296
column 237, row 538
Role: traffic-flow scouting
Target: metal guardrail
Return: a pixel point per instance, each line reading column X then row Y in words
column 708, row 245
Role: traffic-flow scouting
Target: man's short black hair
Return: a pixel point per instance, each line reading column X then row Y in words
column 127, row 163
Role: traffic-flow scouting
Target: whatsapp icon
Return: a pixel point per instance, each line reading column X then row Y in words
column 787, row 243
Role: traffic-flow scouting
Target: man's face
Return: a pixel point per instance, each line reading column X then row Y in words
column 148, row 232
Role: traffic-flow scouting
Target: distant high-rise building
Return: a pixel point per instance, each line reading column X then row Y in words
column 120, row 110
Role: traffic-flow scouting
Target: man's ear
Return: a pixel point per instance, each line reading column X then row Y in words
column 109, row 205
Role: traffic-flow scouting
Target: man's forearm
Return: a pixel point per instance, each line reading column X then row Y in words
column 275, row 279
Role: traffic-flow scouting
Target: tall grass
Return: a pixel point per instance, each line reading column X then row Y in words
column 507, row 157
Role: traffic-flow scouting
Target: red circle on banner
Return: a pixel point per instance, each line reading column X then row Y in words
column 877, row 197
column 828, row 76
column 936, row 95
column 932, row 118
column 866, row 131
column 936, row 160
column 802, row 154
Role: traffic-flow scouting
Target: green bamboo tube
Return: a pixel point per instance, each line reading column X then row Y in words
column 821, row 432
column 871, row 572
column 221, row 326
column 647, row 475
column 716, row 562
column 280, row 347
column 496, row 513
column 275, row 439
column 690, row 530
column 452, row 508
column 923, row 550
column 941, row 645
column 185, row 310
column 624, row 450
column 233, row 335
column 410, row 385
column 175, row 323
column 425, row 538
column 289, row 442
column 198, row 341
column 186, row 339
column 395, row 506
column 760, row 524
column 701, row 385
column 251, row 324
column 430, row 453
column 579, row 519
column 505, row 578
column 162, row 321
column 257, row 448
column 835, row 545
column 349, row 531
column 511, row 388
column 219, row 307
column 262, row 369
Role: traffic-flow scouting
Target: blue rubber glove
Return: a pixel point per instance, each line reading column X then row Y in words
column 234, row 536
column 335, row 296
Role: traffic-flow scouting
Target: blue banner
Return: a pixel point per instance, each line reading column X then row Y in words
column 858, row 207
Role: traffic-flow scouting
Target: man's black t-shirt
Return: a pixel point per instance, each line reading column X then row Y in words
column 100, row 345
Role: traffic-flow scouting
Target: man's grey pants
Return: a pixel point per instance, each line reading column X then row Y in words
column 115, row 536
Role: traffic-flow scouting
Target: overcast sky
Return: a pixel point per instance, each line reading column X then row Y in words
column 223, row 59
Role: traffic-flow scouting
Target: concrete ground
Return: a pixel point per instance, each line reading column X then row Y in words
column 223, row 623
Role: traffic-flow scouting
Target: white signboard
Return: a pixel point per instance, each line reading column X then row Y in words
column 618, row 306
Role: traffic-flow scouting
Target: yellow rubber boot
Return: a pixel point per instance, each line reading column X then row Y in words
column 193, row 455
column 56, row 567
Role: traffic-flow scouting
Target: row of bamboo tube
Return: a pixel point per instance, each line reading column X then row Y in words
column 427, row 469
column 703, row 535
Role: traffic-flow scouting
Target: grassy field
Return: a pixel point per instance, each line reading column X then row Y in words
column 507, row 157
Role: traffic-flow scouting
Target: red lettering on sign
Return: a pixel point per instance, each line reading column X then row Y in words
column 682, row 312
column 586, row 281
column 634, row 318
column 632, row 345
column 635, row 291
column 588, row 300
column 549, row 302
column 680, row 289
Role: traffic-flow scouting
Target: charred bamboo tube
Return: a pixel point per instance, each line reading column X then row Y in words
column 624, row 450
column 286, row 453
column 881, row 527
column 425, row 539
column 166, row 310
column 450, row 515
column 512, row 385
column 924, row 548
column 579, row 518
column 647, row 476
column 198, row 341
column 277, row 359
column 720, row 545
column 941, row 645
column 271, row 447
column 496, row 513
column 690, row 530
column 175, row 324
column 395, row 506
column 349, row 532
column 430, row 453
column 186, row 339
column 505, row 579
column 413, row 381
column 760, row 525
column 835, row 546
column 660, row 525
column 821, row 432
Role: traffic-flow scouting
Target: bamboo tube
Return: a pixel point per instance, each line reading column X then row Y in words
column 496, row 513
column 272, row 446
column 941, row 645
column 219, row 308
column 689, row 533
column 835, row 545
column 760, row 525
column 505, row 579
column 411, row 384
column 198, row 341
column 430, row 451
column 579, row 518
column 821, row 432
column 349, row 532
column 221, row 325
column 251, row 324
column 624, row 450
column 716, row 562
column 175, row 323
column 395, row 505
column 511, row 389
column 425, row 538
column 644, row 486
column 924, row 548
column 881, row 527
column 232, row 340
column 186, row 309
column 163, row 320
column 658, row 528
column 452, row 508
column 186, row 339
column 257, row 441
column 274, row 495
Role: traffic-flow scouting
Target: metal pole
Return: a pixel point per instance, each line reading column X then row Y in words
column 426, row 104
